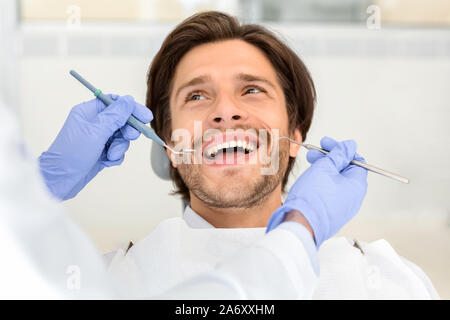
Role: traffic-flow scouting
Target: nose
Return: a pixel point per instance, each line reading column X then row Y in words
column 227, row 113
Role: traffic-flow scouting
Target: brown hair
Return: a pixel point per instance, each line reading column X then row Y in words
column 212, row 26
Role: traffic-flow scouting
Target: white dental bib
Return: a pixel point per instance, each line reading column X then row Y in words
column 175, row 252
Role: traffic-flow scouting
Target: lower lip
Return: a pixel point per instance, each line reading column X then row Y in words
column 231, row 159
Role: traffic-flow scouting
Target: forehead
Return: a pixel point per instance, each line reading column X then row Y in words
column 222, row 59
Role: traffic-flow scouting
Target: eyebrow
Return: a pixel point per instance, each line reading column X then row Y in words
column 193, row 82
column 251, row 78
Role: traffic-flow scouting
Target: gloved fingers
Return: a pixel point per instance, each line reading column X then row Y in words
column 129, row 132
column 342, row 154
column 116, row 115
column 90, row 109
column 358, row 158
column 314, row 155
column 114, row 163
column 117, row 148
column 328, row 143
column 101, row 106
column 356, row 172
column 143, row 114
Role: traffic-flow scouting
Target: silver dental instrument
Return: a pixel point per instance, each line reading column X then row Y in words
column 355, row 162
column 132, row 121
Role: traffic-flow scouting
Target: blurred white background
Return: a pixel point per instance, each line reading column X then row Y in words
column 382, row 73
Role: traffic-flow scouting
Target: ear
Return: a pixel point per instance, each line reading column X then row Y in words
column 294, row 148
column 169, row 154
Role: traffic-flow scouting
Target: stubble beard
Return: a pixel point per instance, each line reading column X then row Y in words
column 239, row 193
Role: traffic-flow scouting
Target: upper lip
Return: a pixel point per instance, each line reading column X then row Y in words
column 217, row 140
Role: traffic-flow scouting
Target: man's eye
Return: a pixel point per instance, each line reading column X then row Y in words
column 195, row 96
column 254, row 90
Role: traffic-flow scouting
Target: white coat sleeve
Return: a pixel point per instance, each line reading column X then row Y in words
column 278, row 267
column 44, row 253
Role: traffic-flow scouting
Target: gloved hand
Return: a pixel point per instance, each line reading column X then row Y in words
column 93, row 137
column 329, row 193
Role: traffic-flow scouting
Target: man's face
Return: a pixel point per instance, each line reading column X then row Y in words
column 229, row 85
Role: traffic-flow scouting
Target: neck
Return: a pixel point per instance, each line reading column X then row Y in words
column 254, row 217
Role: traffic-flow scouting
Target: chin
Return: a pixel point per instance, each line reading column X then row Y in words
column 245, row 172
column 234, row 192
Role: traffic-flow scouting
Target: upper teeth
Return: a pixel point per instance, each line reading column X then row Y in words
column 212, row 151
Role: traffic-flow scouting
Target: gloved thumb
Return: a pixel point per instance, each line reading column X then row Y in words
column 116, row 115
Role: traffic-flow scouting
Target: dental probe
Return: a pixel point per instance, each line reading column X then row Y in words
column 132, row 121
column 355, row 162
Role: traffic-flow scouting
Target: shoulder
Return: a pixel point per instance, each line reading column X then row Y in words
column 378, row 262
column 423, row 277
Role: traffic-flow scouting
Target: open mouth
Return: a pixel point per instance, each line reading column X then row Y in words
column 230, row 147
column 240, row 146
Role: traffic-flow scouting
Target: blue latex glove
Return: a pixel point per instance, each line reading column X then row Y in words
column 329, row 193
column 93, row 137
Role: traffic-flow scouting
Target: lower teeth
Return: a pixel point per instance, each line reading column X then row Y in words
column 245, row 151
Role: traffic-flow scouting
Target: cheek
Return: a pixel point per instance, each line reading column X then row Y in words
column 176, row 118
column 272, row 112
column 275, row 118
column 184, row 117
column 283, row 119
column 181, row 120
